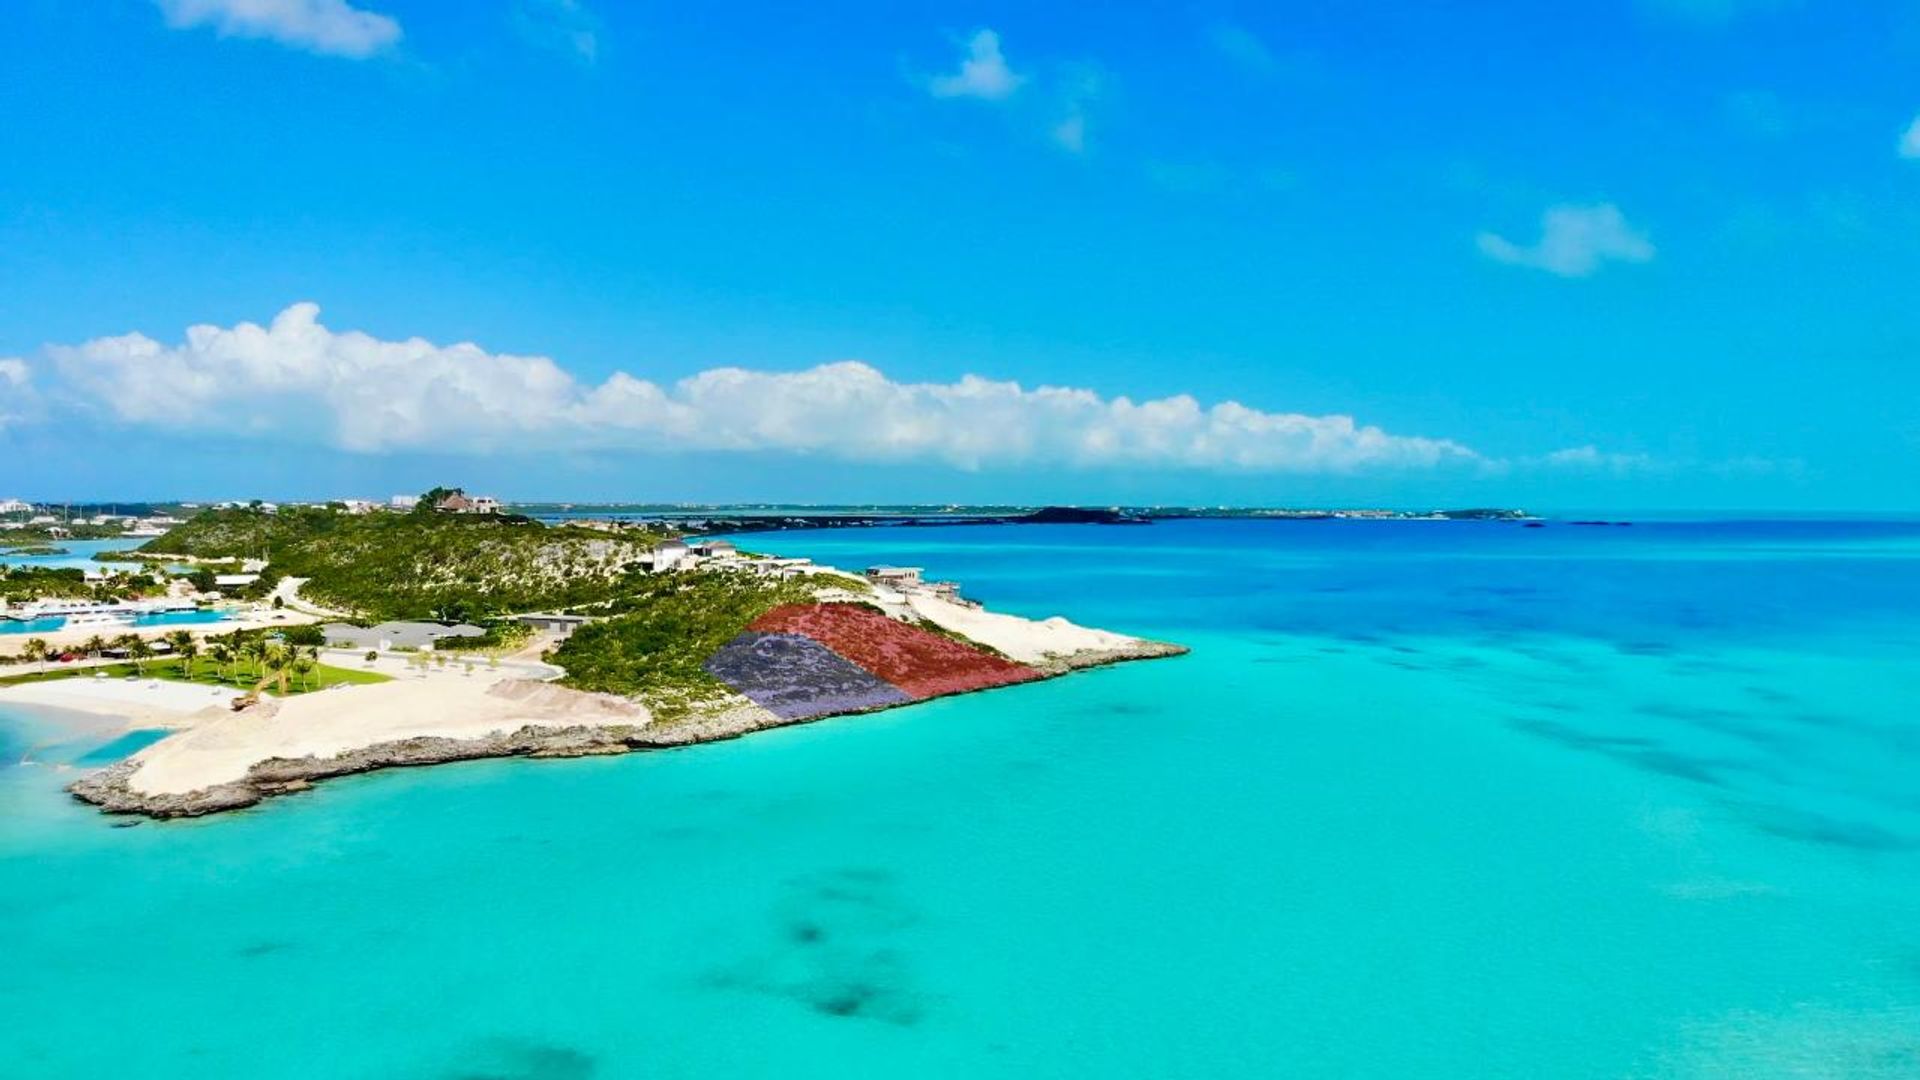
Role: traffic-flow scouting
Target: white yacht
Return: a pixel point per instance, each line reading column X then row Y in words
column 98, row 620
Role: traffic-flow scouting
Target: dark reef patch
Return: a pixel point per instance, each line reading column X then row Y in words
column 834, row 951
column 507, row 1058
column 1832, row 832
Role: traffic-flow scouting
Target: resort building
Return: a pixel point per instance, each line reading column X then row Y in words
column 895, row 577
column 15, row 506
column 461, row 503
column 395, row 635
column 560, row 624
column 715, row 549
column 669, row 555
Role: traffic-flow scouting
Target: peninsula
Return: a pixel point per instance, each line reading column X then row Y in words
column 450, row 630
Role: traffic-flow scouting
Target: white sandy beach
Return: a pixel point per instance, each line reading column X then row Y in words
column 1029, row 641
column 221, row 748
column 143, row 703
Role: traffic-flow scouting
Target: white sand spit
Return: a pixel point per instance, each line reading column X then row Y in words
column 333, row 722
column 1028, row 641
column 143, row 703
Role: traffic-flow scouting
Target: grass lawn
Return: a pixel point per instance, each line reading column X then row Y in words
column 321, row 677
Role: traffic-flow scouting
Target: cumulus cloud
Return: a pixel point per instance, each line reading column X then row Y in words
column 17, row 399
column 332, row 27
column 1574, row 241
column 1910, row 142
column 983, row 73
column 295, row 378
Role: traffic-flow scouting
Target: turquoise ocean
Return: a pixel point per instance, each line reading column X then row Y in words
column 1426, row 800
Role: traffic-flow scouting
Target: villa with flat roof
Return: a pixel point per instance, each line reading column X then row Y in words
column 395, row 635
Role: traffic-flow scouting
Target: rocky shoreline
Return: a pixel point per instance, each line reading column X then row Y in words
column 111, row 789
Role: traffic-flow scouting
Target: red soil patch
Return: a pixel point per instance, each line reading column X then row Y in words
column 920, row 662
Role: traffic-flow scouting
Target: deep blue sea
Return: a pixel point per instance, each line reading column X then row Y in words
column 1450, row 800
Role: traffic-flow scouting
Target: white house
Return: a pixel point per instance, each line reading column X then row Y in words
column 669, row 554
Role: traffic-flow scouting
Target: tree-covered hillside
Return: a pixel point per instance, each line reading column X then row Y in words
column 671, row 624
column 421, row 564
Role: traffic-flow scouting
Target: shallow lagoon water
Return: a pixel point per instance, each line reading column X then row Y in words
column 1438, row 800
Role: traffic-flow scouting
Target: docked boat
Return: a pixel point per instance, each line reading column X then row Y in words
column 98, row 620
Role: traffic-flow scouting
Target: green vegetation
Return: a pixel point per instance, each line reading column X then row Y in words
column 22, row 583
column 318, row 677
column 15, row 535
column 502, row 636
column 667, row 628
column 420, row 565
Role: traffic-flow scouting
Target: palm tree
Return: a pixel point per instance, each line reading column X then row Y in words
column 278, row 664
column 94, row 646
column 139, row 652
column 184, row 647
column 256, row 649
column 36, row 650
column 303, row 665
column 221, row 651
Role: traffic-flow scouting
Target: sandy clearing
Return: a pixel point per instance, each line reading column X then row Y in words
column 1028, row 641
column 143, row 703
column 221, row 749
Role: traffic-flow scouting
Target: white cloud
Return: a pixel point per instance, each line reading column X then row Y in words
column 1574, row 241
column 1241, row 47
column 1594, row 459
column 566, row 26
column 334, row 27
column 17, row 399
column 1910, row 142
column 296, row 379
column 1079, row 89
column 983, row 73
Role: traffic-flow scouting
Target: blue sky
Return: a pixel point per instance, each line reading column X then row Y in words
column 1632, row 253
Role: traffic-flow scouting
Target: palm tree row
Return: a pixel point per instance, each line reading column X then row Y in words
column 271, row 661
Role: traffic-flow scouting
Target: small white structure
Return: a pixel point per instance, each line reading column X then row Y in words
column 669, row 554
column 895, row 577
column 235, row 581
column 560, row 624
column 715, row 549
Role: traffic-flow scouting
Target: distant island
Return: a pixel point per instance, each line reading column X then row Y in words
column 762, row 518
column 360, row 637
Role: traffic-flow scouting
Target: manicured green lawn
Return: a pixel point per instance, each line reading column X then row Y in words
column 321, row 677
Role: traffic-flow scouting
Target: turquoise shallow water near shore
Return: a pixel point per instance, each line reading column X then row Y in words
column 1437, row 800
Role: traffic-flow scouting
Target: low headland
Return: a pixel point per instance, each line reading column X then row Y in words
column 449, row 634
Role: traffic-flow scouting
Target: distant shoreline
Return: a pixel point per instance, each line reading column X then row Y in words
column 751, row 519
